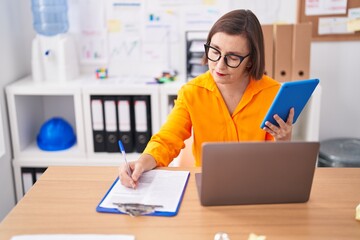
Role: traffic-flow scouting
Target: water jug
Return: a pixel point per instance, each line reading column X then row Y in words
column 50, row 16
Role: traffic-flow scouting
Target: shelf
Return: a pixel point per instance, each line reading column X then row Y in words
column 195, row 41
column 31, row 104
column 32, row 151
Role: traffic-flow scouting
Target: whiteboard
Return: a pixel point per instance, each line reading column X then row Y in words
column 147, row 37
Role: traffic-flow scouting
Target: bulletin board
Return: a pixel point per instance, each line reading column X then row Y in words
column 302, row 17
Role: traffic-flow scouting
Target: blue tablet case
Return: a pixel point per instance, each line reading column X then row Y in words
column 291, row 94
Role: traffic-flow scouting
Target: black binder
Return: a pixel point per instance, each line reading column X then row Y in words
column 111, row 130
column 142, row 115
column 126, row 122
column 28, row 178
column 97, row 121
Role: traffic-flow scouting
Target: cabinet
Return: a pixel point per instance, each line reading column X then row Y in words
column 195, row 41
column 31, row 104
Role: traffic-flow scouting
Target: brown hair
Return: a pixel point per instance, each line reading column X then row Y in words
column 245, row 23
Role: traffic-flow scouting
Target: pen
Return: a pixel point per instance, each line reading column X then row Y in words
column 122, row 150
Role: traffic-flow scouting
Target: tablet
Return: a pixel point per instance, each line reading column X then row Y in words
column 291, row 94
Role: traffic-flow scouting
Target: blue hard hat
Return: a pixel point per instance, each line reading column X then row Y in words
column 56, row 134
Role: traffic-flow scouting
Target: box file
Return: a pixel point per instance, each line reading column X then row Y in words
column 126, row 122
column 97, row 119
column 301, row 51
column 111, row 130
column 269, row 49
column 283, row 52
column 142, row 114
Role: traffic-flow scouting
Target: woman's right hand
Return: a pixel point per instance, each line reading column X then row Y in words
column 145, row 163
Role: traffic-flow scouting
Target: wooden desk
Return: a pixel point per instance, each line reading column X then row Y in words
column 65, row 198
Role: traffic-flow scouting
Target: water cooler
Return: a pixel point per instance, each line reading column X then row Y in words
column 54, row 55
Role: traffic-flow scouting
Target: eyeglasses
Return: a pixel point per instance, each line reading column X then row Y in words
column 231, row 60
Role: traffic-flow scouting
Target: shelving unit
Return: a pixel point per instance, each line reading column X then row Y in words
column 30, row 104
column 195, row 41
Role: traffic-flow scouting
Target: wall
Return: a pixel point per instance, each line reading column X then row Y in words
column 336, row 64
column 15, row 41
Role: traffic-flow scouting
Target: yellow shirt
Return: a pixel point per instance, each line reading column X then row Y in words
column 200, row 106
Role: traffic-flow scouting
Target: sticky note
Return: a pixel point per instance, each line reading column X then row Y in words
column 114, row 25
column 353, row 25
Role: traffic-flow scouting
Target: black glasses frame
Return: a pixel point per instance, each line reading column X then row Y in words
column 207, row 47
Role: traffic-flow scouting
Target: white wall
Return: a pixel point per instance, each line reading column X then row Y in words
column 337, row 65
column 15, row 39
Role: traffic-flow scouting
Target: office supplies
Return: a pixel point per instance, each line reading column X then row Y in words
column 122, row 150
column 125, row 122
column 291, row 94
column 111, row 131
column 101, row 73
column 142, row 114
column 256, row 172
column 156, row 187
column 97, row 120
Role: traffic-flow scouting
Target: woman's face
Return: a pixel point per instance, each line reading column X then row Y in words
column 233, row 45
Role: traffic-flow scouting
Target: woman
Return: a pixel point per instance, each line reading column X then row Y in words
column 227, row 103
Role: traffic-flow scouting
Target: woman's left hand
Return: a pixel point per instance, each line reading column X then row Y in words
column 283, row 132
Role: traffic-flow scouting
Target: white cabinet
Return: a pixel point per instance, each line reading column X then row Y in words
column 31, row 104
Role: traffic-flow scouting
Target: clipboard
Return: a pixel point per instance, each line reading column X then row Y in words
column 291, row 94
column 114, row 209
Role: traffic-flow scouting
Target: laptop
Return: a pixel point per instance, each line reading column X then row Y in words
column 235, row 173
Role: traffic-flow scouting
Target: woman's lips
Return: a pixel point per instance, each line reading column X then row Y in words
column 220, row 74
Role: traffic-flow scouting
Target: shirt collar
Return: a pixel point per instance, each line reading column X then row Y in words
column 255, row 86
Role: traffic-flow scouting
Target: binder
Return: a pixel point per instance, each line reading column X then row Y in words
column 125, row 122
column 39, row 172
column 142, row 115
column 177, row 182
column 97, row 118
column 301, row 51
column 111, row 131
column 283, row 52
column 28, row 178
column 269, row 49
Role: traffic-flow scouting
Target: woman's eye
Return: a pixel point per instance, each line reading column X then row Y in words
column 215, row 52
column 233, row 57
